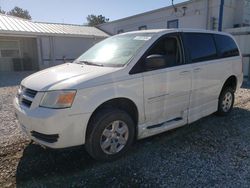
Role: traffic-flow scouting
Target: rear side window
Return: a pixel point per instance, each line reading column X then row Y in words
column 201, row 46
column 226, row 46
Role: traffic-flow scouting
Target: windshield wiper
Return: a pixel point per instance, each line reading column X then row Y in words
column 91, row 63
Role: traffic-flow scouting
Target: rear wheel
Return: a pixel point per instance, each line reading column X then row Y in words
column 226, row 101
column 110, row 134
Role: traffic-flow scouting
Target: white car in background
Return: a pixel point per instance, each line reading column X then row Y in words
column 130, row 86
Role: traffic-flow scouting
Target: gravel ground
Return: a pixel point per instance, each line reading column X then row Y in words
column 212, row 152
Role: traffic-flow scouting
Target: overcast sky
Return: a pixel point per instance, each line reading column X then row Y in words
column 76, row 11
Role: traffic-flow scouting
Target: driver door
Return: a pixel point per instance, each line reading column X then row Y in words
column 167, row 89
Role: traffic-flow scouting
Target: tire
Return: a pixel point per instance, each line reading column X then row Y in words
column 226, row 101
column 110, row 134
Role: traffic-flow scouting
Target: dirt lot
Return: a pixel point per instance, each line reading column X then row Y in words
column 213, row 152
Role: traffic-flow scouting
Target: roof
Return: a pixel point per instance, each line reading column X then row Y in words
column 163, row 31
column 19, row 26
column 148, row 12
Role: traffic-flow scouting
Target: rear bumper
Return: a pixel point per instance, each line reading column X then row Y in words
column 52, row 128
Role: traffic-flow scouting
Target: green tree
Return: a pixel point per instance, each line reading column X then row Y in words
column 2, row 11
column 19, row 12
column 94, row 20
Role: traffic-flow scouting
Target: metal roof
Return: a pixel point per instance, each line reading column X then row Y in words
column 15, row 25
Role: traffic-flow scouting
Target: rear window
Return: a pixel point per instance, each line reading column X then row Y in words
column 226, row 46
column 201, row 46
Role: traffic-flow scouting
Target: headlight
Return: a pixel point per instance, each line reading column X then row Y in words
column 58, row 99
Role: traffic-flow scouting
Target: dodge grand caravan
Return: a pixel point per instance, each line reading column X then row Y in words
column 130, row 86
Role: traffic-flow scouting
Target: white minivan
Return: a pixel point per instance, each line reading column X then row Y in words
column 130, row 86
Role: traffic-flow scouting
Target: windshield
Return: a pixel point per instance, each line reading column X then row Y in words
column 114, row 51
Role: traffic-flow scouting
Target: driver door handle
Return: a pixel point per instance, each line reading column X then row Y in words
column 197, row 69
column 184, row 72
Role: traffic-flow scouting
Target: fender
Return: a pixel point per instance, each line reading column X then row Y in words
column 92, row 98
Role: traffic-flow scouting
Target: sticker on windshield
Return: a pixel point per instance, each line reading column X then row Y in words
column 142, row 38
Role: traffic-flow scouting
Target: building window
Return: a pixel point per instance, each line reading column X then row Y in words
column 120, row 31
column 9, row 49
column 173, row 24
column 143, row 27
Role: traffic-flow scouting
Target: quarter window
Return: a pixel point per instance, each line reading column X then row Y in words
column 226, row 46
column 201, row 46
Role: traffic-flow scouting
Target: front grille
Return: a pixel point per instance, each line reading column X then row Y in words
column 52, row 138
column 29, row 92
column 26, row 102
column 26, row 96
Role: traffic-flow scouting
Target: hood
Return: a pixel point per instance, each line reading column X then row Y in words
column 64, row 76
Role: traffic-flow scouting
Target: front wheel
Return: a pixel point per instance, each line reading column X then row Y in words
column 226, row 101
column 110, row 134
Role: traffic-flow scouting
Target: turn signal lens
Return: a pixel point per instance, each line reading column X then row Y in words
column 66, row 99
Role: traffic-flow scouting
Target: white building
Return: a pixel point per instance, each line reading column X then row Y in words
column 242, row 35
column 203, row 14
column 27, row 45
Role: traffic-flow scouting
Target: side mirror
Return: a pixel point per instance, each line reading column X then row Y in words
column 155, row 61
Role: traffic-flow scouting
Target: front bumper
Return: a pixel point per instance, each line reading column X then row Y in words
column 53, row 128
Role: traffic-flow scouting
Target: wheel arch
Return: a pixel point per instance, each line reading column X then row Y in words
column 230, row 82
column 120, row 103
